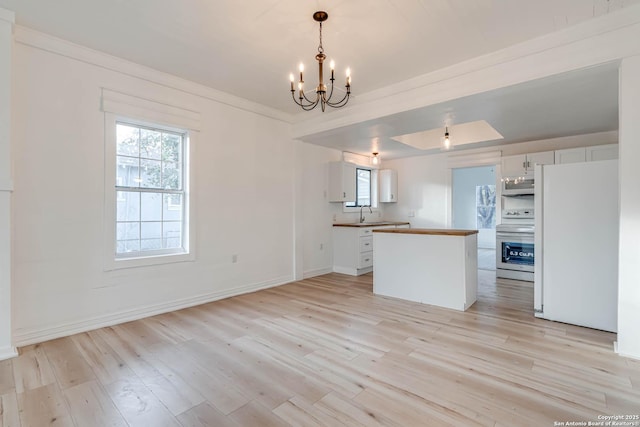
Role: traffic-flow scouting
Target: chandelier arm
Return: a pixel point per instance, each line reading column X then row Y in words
column 307, row 107
column 308, row 100
column 340, row 103
column 331, row 91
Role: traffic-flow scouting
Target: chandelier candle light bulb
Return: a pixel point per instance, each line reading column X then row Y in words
column 321, row 97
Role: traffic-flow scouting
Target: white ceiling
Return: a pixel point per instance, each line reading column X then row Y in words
column 248, row 48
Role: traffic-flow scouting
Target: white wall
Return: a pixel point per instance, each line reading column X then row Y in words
column 313, row 233
column 629, row 254
column 243, row 197
column 424, row 190
column 6, row 42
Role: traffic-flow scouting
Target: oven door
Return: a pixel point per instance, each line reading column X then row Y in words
column 515, row 251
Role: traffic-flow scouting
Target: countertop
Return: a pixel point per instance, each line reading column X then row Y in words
column 431, row 231
column 370, row 224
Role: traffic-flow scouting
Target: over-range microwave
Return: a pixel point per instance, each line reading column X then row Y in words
column 517, row 186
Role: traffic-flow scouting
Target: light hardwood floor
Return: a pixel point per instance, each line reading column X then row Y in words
column 325, row 352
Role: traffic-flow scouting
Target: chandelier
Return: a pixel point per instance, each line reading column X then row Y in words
column 321, row 90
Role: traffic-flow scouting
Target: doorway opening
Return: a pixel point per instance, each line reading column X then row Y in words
column 474, row 207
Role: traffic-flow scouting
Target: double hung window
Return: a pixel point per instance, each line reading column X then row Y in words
column 150, row 191
column 364, row 194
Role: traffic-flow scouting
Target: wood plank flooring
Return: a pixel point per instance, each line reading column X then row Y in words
column 325, row 352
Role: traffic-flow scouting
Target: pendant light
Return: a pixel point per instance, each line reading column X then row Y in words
column 375, row 160
column 447, row 141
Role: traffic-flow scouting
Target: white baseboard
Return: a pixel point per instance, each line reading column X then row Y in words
column 317, row 272
column 24, row 337
column 8, row 352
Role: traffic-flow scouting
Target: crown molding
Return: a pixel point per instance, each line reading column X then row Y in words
column 8, row 16
column 605, row 39
column 42, row 41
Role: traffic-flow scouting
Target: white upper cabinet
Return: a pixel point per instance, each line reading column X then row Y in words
column 342, row 182
column 571, row 155
column 601, row 152
column 587, row 154
column 388, row 185
column 523, row 164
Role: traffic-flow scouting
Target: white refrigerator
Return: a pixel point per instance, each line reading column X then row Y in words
column 576, row 244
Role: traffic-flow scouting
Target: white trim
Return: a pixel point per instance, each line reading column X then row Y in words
column 140, row 108
column 48, row 43
column 316, row 272
column 8, row 352
column 8, row 16
column 110, row 262
column 24, row 337
column 488, row 158
column 358, row 159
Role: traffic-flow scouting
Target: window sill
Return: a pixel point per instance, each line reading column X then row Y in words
column 145, row 261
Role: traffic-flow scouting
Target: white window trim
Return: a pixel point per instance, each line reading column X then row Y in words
column 111, row 261
column 375, row 190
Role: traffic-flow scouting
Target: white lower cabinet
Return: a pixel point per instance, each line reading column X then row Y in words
column 353, row 248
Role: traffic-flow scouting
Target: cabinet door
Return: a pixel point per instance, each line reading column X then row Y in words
column 388, row 186
column 514, row 165
column 342, row 182
column 542, row 158
column 570, row 155
column 602, row 152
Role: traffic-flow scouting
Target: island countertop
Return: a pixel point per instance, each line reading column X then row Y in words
column 430, row 231
column 370, row 224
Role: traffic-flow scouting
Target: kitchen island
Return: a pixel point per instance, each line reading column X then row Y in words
column 430, row 266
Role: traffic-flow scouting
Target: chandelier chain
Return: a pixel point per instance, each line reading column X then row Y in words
column 320, row 48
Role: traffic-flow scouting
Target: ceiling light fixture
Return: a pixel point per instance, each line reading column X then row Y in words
column 447, row 141
column 321, row 90
column 376, row 159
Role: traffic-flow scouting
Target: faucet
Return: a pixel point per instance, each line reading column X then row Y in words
column 362, row 216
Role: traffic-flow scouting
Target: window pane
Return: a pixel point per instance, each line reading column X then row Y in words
column 171, row 176
column 128, row 206
column 172, row 235
column 486, row 206
column 127, row 172
column 151, row 207
column 150, row 173
column 172, row 207
column 150, row 143
column 127, row 138
column 363, row 187
column 127, row 237
column 151, row 238
column 171, row 147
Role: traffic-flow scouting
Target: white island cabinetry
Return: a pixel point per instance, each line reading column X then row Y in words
column 437, row 267
column 353, row 246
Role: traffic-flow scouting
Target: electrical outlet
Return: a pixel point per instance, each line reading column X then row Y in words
column 335, row 217
column 234, row 258
column 321, row 246
column 412, row 214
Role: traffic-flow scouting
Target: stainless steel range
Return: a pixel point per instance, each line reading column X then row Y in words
column 514, row 244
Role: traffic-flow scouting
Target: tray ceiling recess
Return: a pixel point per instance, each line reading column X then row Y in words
column 460, row 134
